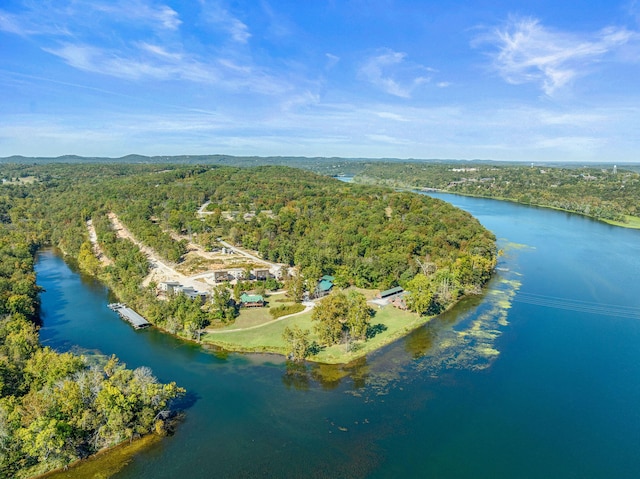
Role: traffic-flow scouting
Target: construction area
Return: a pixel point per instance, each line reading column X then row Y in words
column 200, row 271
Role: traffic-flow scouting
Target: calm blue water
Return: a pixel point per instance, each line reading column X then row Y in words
column 539, row 378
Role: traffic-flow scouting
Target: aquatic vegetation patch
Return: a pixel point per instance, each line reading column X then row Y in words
column 462, row 338
column 106, row 463
column 471, row 342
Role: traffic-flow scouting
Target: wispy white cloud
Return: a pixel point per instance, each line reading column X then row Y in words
column 151, row 48
column 302, row 100
column 580, row 118
column 231, row 80
column 140, row 12
column 342, row 129
column 633, row 10
column 106, row 62
column 528, row 52
column 160, row 51
column 217, row 14
column 28, row 25
column 391, row 116
column 144, row 61
column 332, row 60
column 166, row 16
column 72, row 16
column 579, row 144
column 388, row 139
column 280, row 26
column 389, row 71
column 10, row 24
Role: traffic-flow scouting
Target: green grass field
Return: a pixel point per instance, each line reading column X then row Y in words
column 632, row 222
column 250, row 317
column 396, row 323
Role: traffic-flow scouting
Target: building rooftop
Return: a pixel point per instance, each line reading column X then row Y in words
column 251, row 298
column 392, row 291
column 325, row 285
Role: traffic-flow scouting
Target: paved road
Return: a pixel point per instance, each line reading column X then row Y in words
column 201, row 210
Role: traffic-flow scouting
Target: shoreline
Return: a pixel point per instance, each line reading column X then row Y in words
column 361, row 350
column 634, row 221
column 346, row 358
column 106, row 462
column 353, row 356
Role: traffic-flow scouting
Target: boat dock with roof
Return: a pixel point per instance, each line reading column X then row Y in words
column 130, row 315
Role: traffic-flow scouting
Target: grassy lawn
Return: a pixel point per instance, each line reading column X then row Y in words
column 632, row 222
column 254, row 316
column 398, row 323
column 367, row 293
column 269, row 338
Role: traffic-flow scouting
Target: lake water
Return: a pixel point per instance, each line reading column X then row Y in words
column 538, row 378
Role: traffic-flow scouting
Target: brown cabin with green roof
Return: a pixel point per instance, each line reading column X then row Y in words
column 324, row 286
column 251, row 300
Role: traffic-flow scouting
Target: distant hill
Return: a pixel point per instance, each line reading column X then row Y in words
column 332, row 166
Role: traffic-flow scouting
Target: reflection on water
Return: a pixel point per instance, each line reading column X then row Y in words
column 461, row 338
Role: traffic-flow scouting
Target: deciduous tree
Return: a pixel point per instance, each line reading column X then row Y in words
column 298, row 342
column 420, row 298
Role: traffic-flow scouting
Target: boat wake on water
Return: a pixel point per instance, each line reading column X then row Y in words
column 577, row 305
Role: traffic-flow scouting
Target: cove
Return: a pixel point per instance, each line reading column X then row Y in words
column 540, row 377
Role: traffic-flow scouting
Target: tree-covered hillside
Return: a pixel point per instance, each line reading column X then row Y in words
column 600, row 193
column 365, row 236
column 56, row 407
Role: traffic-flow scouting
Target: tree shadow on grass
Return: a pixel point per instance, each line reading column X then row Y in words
column 315, row 348
column 375, row 329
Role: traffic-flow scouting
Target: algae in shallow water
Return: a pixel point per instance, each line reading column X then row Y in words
column 107, row 463
column 462, row 338
column 470, row 343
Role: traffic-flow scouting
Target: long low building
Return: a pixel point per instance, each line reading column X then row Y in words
column 389, row 293
column 130, row 315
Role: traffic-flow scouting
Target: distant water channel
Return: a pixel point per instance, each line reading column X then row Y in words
column 538, row 378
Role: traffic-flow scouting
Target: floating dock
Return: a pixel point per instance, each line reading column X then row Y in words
column 129, row 315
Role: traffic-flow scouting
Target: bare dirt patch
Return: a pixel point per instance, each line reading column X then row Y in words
column 93, row 237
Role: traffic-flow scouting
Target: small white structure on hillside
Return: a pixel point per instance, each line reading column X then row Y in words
column 168, row 286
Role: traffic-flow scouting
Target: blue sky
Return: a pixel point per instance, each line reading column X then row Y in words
column 532, row 81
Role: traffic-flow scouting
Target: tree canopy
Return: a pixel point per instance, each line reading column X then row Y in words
column 597, row 192
column 57, row 407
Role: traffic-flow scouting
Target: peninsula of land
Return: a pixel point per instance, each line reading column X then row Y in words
column 269, row 259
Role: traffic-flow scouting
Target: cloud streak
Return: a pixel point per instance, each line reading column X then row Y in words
column 528, row 52
column 390, row 72
column 216, row 14
column 152, row 48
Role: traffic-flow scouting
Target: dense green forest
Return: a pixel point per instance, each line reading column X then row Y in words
column 600, row 193
column 330, row 166
column 57, row 407
column 591, row 191
column 365, row 236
